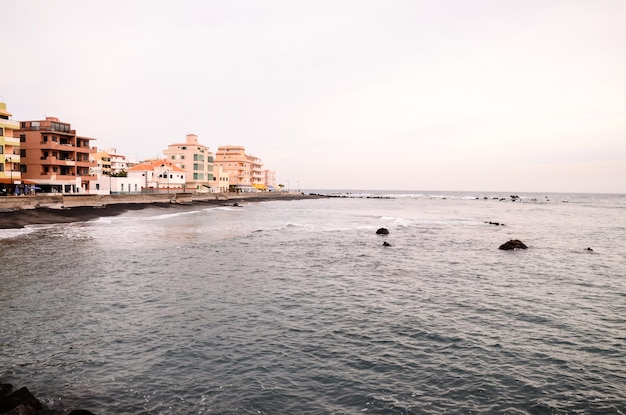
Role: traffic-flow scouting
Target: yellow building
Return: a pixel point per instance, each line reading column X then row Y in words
column 103, row 163
column 10, row 175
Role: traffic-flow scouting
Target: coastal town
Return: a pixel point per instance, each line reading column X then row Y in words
column 48, row 156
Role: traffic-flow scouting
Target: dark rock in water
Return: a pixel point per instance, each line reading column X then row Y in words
column 21, row 397
column 382, row 231
column 236, row 204
column 24, row 410
column 589, row 249
column 495, row 223
column 386, row 243
column 513, row 244
column 22, row 402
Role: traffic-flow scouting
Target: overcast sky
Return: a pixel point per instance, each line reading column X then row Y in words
column 479, row 95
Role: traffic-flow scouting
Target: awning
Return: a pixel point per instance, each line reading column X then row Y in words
column 259, row 186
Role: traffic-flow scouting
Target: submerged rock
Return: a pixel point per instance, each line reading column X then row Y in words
column 386, row 243
column 382, row 231
column 513, row 244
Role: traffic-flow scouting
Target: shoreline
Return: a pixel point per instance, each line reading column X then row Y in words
column 74, row 209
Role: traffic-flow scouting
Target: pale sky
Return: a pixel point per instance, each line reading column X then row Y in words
column 477, row 95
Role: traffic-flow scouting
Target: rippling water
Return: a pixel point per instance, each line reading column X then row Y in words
column 292, row 307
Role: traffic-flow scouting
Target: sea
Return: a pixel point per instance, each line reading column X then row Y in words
column 299, row 307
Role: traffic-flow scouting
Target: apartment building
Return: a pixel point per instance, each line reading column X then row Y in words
column 197, row 162
column 234, row 162
column 256, row 173
column 269, row 180
column 119, row 162
column 54, row 157
column 10, row 175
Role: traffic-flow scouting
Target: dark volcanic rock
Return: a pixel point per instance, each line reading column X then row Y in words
column 513, row 244
column 382, row 231
column 21, row 397
column 386, row 243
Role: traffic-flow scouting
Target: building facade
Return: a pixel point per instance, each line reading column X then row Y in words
column 269, row 180
column 54, row 157
column 10, row 175
column 196, row 160
column 234, row 162
column 256, row 173
column 119, row 162
column 154, row 176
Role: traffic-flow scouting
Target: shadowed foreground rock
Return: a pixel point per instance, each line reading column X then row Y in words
column 513, row 244
column 23, row 402
column 382, row 231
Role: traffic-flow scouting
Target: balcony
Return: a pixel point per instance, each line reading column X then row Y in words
column 14, row 125
column 10, row 158
column 56, row 145
column 11, row 140
column 51, row 160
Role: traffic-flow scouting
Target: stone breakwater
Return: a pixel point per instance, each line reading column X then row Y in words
column 19, row 211
column 23, row 402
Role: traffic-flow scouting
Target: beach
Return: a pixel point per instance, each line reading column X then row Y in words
column 44, row 210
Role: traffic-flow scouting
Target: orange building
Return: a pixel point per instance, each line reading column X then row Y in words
column 54, row 158
column 9, row 153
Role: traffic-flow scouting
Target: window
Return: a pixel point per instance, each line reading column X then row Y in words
column 173, row 157
column 198, row 157
column 97, row 186
column 122, row 187
column 22, row 153
column 23, row 168
column 1, row 131
column 22, row 138
column 2, row 167
column 182, row 157
column 1, row 149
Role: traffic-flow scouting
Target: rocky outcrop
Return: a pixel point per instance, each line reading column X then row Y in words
column 513, row 244
column 386, row 243
column 382, row 231
column 23, row 402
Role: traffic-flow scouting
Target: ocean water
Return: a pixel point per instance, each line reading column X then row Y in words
column 296, row 307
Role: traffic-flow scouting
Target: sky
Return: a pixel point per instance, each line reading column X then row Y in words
column 467, row 95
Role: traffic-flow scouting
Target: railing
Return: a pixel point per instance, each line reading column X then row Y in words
column 10, row 123
column 13, row 140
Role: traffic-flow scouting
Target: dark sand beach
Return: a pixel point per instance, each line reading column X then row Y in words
column 15, row 219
